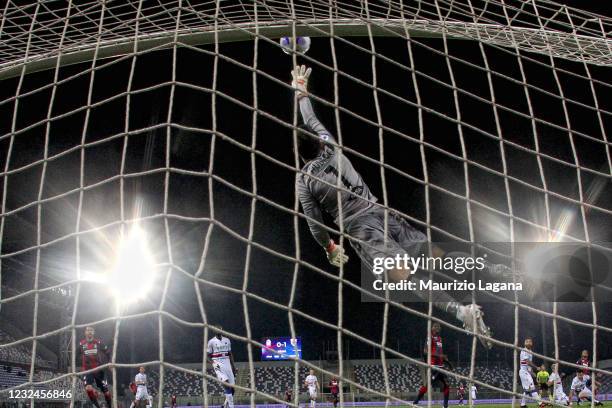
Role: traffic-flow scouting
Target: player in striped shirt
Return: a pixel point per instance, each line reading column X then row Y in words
column 525, row 372
column 221, row 358
column 461, row 393
column 438, row 359
column 580, row 388
column 142, row 394
column 93, row 351
column 554, row 381
column 312, row 384
column 586, row 363
column 334, row 390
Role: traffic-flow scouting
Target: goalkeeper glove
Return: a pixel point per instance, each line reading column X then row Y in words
column 300, row 76
column 335, row 254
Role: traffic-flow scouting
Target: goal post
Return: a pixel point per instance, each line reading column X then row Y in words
column 583, row 40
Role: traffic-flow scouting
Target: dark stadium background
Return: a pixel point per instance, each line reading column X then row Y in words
column 269, row 276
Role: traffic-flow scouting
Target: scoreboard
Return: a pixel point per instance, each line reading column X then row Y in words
column 281, row 348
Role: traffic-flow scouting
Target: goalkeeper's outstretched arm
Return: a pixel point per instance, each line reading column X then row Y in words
column 300, row 75
column 311, row 206
column 310, row 119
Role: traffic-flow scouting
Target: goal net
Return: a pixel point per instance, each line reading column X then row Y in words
column 149, row 168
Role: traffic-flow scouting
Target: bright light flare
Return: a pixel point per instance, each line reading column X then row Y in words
column 134, row 273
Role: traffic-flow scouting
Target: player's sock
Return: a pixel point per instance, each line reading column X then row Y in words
column 524, row 400
column 446, row 391
column 93, row 397
column 422, row 392
column 229, row 398
column 107, row 397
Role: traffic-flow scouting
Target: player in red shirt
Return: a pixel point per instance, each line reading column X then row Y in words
column 586, row 363
column 461, row 393
column 173, row 404
column 288, row 397
column 91, row 350
column 334, row 389
column 438, row 359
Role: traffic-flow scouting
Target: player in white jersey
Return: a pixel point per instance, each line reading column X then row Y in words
column 525, row 372
column 555, row 382
column 141, row 388
column 221, row 358
column 580, row 388
column 312, row 384
column 473, row 392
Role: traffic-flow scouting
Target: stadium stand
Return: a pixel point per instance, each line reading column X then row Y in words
column 19, row 354
column 276, row 379
column 11, row 376
column 182, row 383
column 404, row 377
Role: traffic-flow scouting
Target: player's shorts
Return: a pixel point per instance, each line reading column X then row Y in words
column 224, row 373
column 586, row 392
column 437, row 378
column 97, row 378
column 312, row 393
column 543, row 386
column 526, row 380
column 561, row 398
column 473, row 395
column 368, row 229
column 142, row 394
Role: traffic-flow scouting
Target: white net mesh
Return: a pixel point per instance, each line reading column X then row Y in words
column 476, row 121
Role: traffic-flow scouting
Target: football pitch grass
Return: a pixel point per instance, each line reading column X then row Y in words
column 606, row 404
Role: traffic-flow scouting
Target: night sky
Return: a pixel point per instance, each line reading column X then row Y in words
column 270, row 276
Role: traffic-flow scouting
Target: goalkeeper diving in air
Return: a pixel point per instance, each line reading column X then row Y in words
column 324, row 168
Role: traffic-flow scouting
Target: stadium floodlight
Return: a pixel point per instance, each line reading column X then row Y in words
column 133, row 274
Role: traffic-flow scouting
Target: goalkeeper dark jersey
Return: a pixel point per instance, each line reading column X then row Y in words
column 317, row 184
